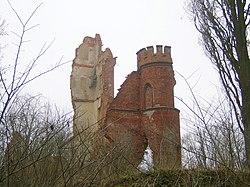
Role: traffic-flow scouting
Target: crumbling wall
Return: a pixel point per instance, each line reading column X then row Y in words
column 92, row 87
column 123, row 120
column 142, row 114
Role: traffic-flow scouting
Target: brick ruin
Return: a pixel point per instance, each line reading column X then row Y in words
column 142, row 114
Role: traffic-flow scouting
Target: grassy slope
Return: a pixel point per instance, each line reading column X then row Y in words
column 185, row 178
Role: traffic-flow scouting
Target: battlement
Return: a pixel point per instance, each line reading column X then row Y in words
column 147, row 55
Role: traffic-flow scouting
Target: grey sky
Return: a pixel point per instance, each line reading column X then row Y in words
column 125, row 27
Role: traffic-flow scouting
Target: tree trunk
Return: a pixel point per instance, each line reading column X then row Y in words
column 243, row 72
column 246, row 116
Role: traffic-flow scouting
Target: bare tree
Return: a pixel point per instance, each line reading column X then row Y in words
column 223, row 27
column 29, row 135
column 2, row 33
column 212, row 137
column 15, row 76
column 38, row 149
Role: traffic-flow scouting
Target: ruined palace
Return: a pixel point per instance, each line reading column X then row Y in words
column 142, row 113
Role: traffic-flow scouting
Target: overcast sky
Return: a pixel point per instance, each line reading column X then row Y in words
column 125, row 27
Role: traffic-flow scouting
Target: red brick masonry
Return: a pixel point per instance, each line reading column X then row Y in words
column 143, row 111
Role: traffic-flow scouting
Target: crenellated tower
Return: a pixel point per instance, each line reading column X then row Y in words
column 143, row 113
column 157, row 77
column 159, row 117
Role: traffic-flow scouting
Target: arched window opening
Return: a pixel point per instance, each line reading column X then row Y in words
column 149, row 96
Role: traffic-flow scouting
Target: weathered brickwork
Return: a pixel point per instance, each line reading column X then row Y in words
column 92, row 89
column 143, row 111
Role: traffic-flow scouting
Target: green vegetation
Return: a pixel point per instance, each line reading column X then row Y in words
column 184, row 178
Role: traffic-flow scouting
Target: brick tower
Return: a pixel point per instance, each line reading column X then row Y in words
column 159, row 120
column 143, row 113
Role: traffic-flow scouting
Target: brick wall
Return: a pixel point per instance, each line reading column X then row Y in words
column 143, row 111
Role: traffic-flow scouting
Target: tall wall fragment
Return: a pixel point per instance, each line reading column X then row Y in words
column 92, row 87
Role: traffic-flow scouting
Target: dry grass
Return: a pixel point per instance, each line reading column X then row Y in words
column 186, row 178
